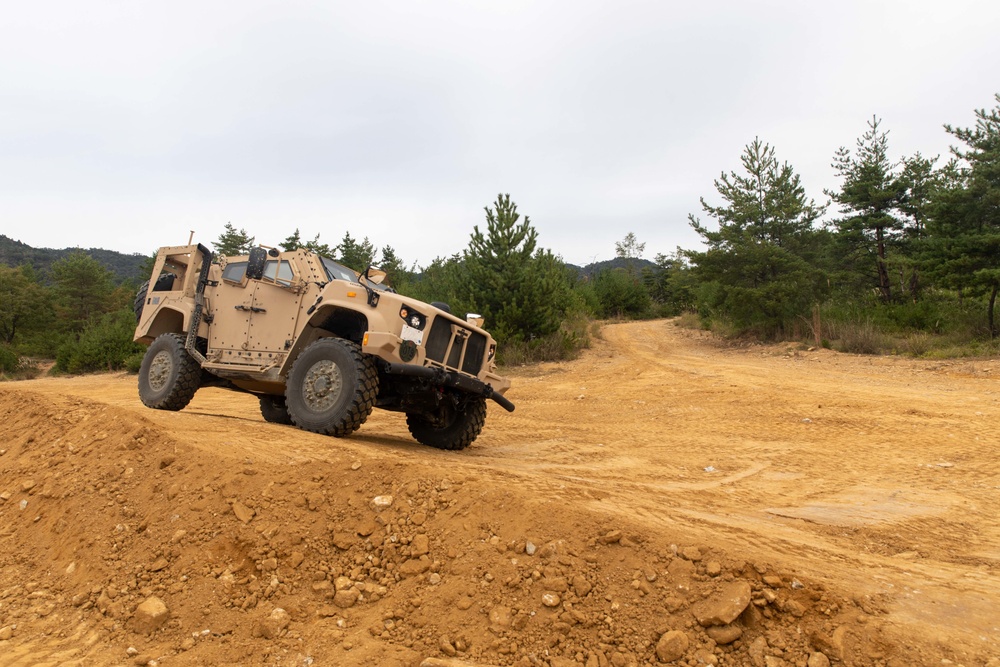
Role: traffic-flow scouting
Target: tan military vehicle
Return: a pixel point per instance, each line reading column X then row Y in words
column 320, row 344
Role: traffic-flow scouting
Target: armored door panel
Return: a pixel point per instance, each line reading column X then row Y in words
column 275, row 311
column 229, row 306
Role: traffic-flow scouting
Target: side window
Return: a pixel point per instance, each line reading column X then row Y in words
column 279, row 272
column 234, row 272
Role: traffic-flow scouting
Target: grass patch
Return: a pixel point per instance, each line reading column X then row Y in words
column 689, row 320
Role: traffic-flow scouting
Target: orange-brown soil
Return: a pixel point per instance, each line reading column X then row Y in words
column 662, row 500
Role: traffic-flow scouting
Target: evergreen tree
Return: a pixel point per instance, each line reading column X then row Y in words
column 757, row 271
column 870, row 198
column 232, row 242
column 83, row 289
column 396, row 274
column 520, row 288
column 24, row 304
column 669, row 283
column 918, row 178
column 621, row 294
column 354, row 254
column 292, row 242
column 440, row 281
column 321, row 249
column 963, row 230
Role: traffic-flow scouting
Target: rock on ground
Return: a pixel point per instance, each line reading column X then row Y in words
column 150, row 615
column 725, row 606
column 672, row 646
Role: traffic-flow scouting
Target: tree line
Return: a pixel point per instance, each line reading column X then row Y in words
column 906, row 253
column 912, row 246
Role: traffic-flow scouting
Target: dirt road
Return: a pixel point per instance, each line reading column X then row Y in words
column 685, row 503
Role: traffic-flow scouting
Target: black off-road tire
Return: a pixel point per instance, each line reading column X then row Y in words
column 332, row 387
column 168, row 376
column 140, row 300
column 275, row 410
column 461, row 427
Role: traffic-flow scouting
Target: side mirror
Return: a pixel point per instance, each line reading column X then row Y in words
column 375, row 275
column 255, row 267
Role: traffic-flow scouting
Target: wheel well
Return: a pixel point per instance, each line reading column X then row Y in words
column 341, row 322
column 325, row 322
column 167, row 321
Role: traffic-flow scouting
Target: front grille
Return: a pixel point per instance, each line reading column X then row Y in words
column 437, row 341
column 445, row 334
column 475, row 350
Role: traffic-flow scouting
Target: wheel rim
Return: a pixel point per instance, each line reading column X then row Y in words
column 322, row 386
column 159, row 370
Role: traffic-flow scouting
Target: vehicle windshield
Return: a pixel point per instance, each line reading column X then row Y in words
column 335, row 271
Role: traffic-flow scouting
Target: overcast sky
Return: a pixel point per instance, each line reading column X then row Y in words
column 126, row 124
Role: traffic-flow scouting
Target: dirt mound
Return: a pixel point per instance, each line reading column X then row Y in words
column 140, row 537
column 368, row 564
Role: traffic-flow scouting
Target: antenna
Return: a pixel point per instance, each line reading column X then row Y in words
column 191, row 238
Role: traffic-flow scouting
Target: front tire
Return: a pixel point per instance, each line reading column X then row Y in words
column 331, row 388
column 168, row 376
column 454, row 430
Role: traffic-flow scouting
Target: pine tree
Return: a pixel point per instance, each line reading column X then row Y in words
column 232, row 242
column 963, row 230
column 918, row 178
column 321, row 249
column 440, row 281
column 395, row 269
column 83, row 289
column 518, row 287
column 24, row 304
column 870, row 199
column 293, row 242
column 354, row 254
column 758, row 270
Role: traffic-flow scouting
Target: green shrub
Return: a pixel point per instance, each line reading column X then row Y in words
column 9, row 359
column 15, row 367
column 104, row 345
column 572, row 337
column 133, row 362
column 621, row 295
column 940, row 324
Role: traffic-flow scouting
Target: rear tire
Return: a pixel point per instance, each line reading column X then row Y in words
column 331, row 388
column 140, row 300
column 168, row 376
column 457, row 429
column 275, row 410
column 164, row 283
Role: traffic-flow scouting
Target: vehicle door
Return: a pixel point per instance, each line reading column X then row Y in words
column 230, row 302
column 275, row 309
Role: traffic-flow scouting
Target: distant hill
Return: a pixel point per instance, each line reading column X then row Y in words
column 594, row 268
column 124, row 267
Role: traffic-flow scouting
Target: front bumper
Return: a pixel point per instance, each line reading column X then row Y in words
column 445, row 378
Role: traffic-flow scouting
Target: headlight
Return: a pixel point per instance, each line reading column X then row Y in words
column 412, row 318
